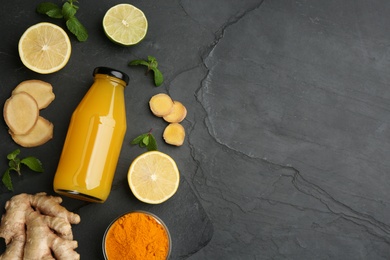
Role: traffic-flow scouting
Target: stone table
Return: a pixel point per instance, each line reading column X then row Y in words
column 288, row 125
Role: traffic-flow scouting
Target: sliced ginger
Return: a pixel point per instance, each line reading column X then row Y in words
column 39, row 134
column 161, row 104
column 38, row 227
column 178, row 113
column 174, row 134
column 40, row 90
column 20, row 113
column 172, row 112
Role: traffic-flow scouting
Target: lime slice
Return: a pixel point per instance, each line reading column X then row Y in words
column 125, row 24
column 153, row 177
column 44, row 48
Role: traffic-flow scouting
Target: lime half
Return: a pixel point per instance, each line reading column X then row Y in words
column 125, row 24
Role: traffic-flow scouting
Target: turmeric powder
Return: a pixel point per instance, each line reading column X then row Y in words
column 137, row 235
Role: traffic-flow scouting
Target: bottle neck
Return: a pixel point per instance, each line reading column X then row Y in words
column 110, row 78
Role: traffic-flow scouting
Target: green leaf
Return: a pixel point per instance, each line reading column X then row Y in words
column 13, row 155
column 33, row 163
column 158, row 77
column 152, row 65
column 55, row 13
column 50, row 9
column 138, row 139
column 75, row 27
column 152, row 146
column 145, row 141
column 139, row 62
column 68, row 11
column 72, row 2
column 14, row 164
column 151, row 58
column 6, row 179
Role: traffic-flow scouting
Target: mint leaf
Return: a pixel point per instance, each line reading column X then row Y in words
column 158, row 77
column 152, row 61
column 138, row 139
column 152, row 65
column 152, row 146
column 6, row 179
column 32, row 163
column 146, row 140
column 50, row 9
column 72, row 3
column 13, row 155
column 14, row 165
column 75, row 27
column 68, row 10
column 138, row 62
column 55, row 13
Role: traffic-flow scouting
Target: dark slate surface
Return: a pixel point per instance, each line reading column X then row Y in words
column 188, row 223
column 288, row 120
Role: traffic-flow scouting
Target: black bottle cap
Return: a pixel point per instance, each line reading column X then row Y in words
column 112, row 72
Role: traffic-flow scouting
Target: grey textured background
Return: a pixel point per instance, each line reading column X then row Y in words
column 288, row 117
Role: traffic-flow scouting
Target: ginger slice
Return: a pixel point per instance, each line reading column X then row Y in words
column 39, row 134
column 174, row 134
column 178, row 113
column 20, row 113
column 40, row 90
column 161, row 104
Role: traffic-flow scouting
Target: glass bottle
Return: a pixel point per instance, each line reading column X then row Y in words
column 94, row 139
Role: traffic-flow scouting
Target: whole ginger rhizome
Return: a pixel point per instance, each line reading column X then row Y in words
column 38, row 227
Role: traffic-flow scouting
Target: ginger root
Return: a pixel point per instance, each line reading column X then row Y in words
column 38, row 227
column 40, row 90
column 41, row 132
column 173, row 112
column 161, row 104
column 21, row 113
column 178, row 113
column 174, row 134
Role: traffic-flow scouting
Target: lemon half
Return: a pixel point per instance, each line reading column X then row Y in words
column 125, row 24
column 153, row 177
column 44, row 48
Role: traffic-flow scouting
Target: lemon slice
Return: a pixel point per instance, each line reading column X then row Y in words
column 44, row 48
column 125, row 24
column 153, row 177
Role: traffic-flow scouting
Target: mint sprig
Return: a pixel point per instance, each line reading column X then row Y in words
column 68, row 13
column 146, row 140
column 151, row 65
column 15, row 164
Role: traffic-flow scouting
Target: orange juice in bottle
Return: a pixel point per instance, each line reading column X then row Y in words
column 94, row 139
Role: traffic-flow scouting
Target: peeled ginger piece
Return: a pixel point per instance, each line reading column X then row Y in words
column 161, row 104
column 174, row 134
column 178, row 113
column 20, row 113
column 40, row 90
column 40, row 134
